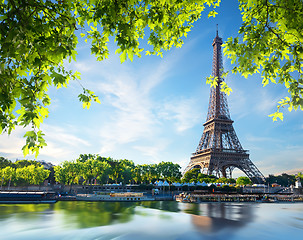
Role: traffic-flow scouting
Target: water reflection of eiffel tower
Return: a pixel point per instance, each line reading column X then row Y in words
column 219, row 150
column 217, row 216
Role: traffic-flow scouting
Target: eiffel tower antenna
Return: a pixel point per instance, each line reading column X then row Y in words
column 219, row 150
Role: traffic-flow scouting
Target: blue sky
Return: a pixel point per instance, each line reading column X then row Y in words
column 152, row 110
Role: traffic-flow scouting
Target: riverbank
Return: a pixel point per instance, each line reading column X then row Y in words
column 189, row 197
column 245, row 194
column 193, row 197
column 198, row 198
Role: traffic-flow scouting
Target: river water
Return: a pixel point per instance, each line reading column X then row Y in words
column 151, row 220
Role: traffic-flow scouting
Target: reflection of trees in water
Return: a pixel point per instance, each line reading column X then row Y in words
column 74, row 214
column 192, row 209
column 213, row 217
column 170, row 206
column 23, row 211
column 93, row 214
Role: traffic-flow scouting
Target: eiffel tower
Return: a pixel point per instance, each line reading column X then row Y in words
column 219, row 150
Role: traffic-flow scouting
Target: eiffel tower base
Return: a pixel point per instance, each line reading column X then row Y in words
column 221, row 163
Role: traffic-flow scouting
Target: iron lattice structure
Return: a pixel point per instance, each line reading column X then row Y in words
column 219, row 150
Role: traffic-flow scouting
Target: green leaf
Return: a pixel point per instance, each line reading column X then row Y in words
column 130, row 54
column 30, row 134
column 123, row 57
column 87, row 97
column 119, row 50
column 250, row 3
column 212, row 13
column 225, row 88
column 276, row 115
column 77, row 75
column 213, row 81
column 25, row 150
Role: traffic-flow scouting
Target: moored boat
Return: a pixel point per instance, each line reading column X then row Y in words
column 27, row 197
column 114, row 197
column 183, row 197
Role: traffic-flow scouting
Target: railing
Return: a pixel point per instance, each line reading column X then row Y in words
column 221, row 150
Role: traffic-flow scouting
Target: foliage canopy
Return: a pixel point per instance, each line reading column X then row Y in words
column 270, row 42
column 242, row 181
column 90, row 169
column 36, row 37
column 22, row 172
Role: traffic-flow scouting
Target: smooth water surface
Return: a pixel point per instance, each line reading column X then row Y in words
column 151, row 220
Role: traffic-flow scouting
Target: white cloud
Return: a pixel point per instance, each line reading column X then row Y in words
column 254, row 139
column 286, row 159
column 83, row 67
column 291, row 172
column 63, row 136
column 250, row 97
column 182, row 112
column 153, row 150
column 56, row 152
column 237, row 102
column 135, row 114
column 183, row 163
column 61, row 143
column 11, row 145
column 266, row 102
column 132, row 117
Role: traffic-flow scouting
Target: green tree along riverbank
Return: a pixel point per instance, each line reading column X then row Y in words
column 22, row 172
column 88, row 169
column 91, row 169
column 284, row 179
column 195, row 175
column 94, row 169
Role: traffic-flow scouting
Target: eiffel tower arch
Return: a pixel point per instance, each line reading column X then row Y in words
column 219, row 151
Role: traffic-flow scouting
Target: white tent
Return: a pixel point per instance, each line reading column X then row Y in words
column 160, row 183
column 177, row 184
column 204, row 184
column 165, row 183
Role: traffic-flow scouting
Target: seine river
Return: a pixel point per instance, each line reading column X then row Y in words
column 151, row 220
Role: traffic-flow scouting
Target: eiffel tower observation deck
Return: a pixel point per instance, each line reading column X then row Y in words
column 219, row 151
